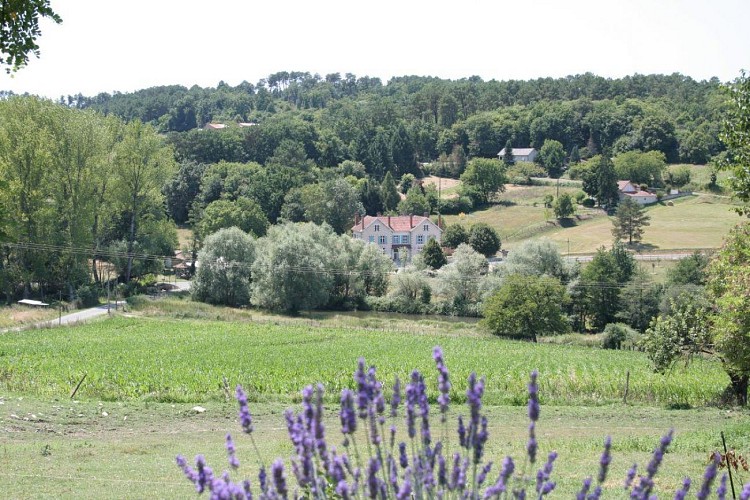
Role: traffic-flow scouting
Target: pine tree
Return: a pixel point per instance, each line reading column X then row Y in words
column 433, row 255
column 575, row 156
column 607, row 193
column 629, row 221
column 389, row 193
column 508, row 155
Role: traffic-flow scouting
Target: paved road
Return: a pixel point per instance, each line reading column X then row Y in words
column 638, row 256
column 81, row 316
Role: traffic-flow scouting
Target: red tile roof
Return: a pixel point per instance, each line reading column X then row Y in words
column 398, row 223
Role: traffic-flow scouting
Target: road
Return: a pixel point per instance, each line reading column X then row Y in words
column 638, row 256
column 81, row 316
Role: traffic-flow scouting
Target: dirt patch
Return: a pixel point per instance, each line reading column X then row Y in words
column 445, row 182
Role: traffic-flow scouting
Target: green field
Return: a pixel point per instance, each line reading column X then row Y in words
column 148, row 359
column 134, row 411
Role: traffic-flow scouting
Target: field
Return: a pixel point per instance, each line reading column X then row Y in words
column 150, row 359
column 144, row 375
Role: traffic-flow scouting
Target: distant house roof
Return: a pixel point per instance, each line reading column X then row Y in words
column 398, row 223
column 518, row 151
column 214, row 126
column 247, row 124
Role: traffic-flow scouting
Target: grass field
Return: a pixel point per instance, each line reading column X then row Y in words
column 150, row 359
column 144, row 375
column 20, row 316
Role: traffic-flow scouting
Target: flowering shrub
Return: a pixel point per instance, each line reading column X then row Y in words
column 423, row 466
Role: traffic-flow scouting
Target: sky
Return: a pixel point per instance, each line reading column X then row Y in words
column 116, row 45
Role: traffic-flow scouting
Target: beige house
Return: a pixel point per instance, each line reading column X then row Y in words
column 521, row 154
column 629, row 190
column 394, row 234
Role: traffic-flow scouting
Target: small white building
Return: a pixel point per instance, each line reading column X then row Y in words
column 629, row 190
column 521, row 154
column 396, row 233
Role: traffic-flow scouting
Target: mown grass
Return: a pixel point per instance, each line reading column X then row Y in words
column 164, row 360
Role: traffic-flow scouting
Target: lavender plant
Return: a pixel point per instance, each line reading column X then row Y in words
column 420, row 466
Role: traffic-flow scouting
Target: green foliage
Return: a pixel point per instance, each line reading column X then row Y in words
column 683, row 333
column 526, row 307
column 679, row 176
column 564, row 206
column 458, row 282
column 728, row 285
column 522, row 173
column 224, row 274
column 415, row 202
column 641, row 168
column 552, row 157
column 19, row 29
column 407, row 181
column 735, row 133
column 538, row 258
column 483, row 178
column 332, row 202
column 689, row 270
column 597, row 293
column 182, row 190
column 454, row 235
column 619, row 336
column 484, row 239
column 508, row 154
column 243, row 213
column 389, row 193
column 640, row 301
column 629, row 221
column 432, row 254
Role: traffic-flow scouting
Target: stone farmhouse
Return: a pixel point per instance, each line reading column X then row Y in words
column 628, row 190
column 394, row 234
column 521, row 154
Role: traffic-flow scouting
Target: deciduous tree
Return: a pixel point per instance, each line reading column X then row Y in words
column 433, row 255
column 484, row 239
column 19, row 29
column 526, row 307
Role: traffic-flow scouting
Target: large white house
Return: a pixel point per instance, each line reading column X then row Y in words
column 521, row 154
column 393, row 234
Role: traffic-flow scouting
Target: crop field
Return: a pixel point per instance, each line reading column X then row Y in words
column 150, row 359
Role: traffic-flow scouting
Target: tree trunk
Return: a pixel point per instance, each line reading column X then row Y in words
column 739, row 387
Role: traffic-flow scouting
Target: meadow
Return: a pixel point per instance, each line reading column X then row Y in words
column 145, row 375
column 158, row 359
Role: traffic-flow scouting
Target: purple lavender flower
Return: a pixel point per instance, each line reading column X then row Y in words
column 461, row 432
column 444, row 385
column 658, row 455
column 403, row 459
column 279, row 478
column 231, row 452
column 682, row 492
column 412, row 400
column 500, row 485
column 533, row 397
column 395, row 397
column 480, row 438
column 347, row 414
column 246, row 420
column 531, row 446
column 543, row 475
column 708, row 478
column 392, row 473
column 745, row 493
column 456, row 472
column 374, row 435
column 483, row 474
column 584, row 489
column 247, row 488
column 630, row 476
column 605, row 460
column 596, row 494
column 404, row 492
column 721, row 491
column 373, row 482
column 191, row 474
column 442, row 472
column 363, row 388
column 263, row 479
column 204, row 474
column 342, row 489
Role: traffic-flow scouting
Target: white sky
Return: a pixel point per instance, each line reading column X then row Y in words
column 108, row 45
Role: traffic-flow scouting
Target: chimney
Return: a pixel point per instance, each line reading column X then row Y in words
column 389, row 221
column 426, row 214
column 363, row 223
column 411, row 220
column 356, row 219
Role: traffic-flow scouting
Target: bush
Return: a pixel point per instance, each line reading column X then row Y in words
column 455, row 206
column 427, row 470
column 87, row 296
column 619, row 336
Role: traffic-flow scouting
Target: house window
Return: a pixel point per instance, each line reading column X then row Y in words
column 395, row 240
column 377, row 227
column 426, row 227
column 372, row 239
column 382, row 239
column 404, row 238
column 420, row 239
